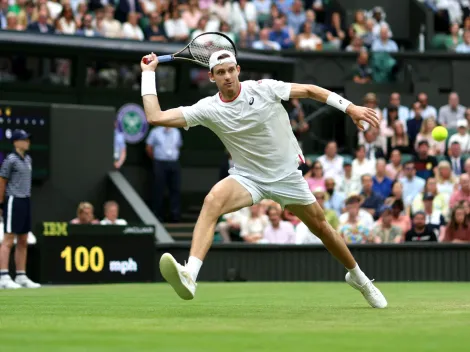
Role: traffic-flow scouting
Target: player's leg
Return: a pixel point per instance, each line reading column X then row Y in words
column 5, row 250
column 226, row 196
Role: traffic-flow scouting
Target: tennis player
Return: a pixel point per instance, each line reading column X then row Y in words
column 251, row 122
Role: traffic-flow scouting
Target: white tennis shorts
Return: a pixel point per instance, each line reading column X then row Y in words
column 293, row 189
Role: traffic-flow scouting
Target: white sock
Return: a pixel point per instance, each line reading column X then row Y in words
column 194, row 265
column 357, row 275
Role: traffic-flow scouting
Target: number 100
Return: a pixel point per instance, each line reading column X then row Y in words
column 84, row 259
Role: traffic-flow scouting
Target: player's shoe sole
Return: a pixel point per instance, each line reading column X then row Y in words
column 372, row 294
column 177, row 278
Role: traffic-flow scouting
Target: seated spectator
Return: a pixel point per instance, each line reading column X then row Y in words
column 378, row 14
column 425, row 134
column 400, row 217
column 427, row 111
column 348, row 184
column 176, row 28
column 464, row 48
column 248, row 38
column 231, row 224
column 201, row 27
column 400, row 140
column 458, row 230
column 382, row 185
column 155, row 32
column 296, row 17
column 403, row 111
column 384, row 43
column 273, row 14
column 263, row 8
column 192, row 14
column 332, row 162
column 420, row 232
column 462, row 137
column 335, row 34
column 264, row 43
column 221, row 8
column 248, row 11
column 41, row 26
column 12, row 22
column 446, row 180
column 370, row 101
column 397, row 193
column 280, row 35
column 373, row 201
column 394, row 169
column 354, row 211
column 356, row 45
column 252, row 228
column 434, row 218
column 353, row 228
column 462, row 193
column 98, row 21
column 225, row 29
column 296, row 118
column 112, row 28
column 362, row 72
column 373, row 144
column 413, row 125
column 361, row 165
column 111, row 214
column 412, row 184
column 425, row 164
column 278, row 232
column 306, row 40
column 440, row 201
column 384, row 231
column 80, row 12
column 317, row 28
column 66, row 23
column 359, row 24
column 335, row 199
column 123, row 8
column 455, row 158
column 315, row 177
column 85, row 215
column 386, row 125
column 451, row 113
column 87, row 29
column 369, row 36
column 454, row 39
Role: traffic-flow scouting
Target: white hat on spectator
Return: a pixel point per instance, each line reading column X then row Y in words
column 462, row 123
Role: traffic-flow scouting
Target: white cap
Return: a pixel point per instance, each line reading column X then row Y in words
column 214, row 62
column 462, row 123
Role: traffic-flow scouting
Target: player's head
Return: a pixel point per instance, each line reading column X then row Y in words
column 20, row 139
column 224, row 71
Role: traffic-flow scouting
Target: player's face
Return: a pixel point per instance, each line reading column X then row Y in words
column 226, row 77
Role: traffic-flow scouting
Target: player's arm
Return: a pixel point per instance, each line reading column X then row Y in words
column 357, row 113
column 3, row 185
column 153, row 112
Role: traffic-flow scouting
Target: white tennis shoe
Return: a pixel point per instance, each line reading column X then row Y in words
column 372, row 294
column 26, row 282
column 7, row 283
column 177, row 276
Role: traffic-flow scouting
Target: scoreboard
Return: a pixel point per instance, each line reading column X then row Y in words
column 34, row 119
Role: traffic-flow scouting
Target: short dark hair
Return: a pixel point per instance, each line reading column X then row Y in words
column 409, row 162
column 359, row 147
column 424, row 141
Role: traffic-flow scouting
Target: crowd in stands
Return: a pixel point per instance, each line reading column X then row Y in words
column 86, row 214
column 401, row 185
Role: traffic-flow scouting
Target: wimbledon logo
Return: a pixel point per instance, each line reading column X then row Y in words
column 132, row 123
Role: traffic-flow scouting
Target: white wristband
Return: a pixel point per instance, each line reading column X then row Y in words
column 148, row 83
column 338, row 102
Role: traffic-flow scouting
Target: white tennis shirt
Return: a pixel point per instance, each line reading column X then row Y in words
column 254, row 127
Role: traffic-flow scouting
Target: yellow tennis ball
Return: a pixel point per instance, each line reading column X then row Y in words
column 439, row 133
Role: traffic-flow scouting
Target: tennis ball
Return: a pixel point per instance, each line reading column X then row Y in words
column 439, row 133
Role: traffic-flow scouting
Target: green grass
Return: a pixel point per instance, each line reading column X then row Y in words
column 236, row 317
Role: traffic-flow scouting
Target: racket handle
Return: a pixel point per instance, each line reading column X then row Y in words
column 163, row 58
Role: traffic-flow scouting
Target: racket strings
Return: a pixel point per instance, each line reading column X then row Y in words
column 205, row 45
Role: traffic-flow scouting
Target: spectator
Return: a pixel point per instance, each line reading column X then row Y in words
column 434, row 218
column 306, row 40
column 464, row 48
column 315, row 177
column 356, row 45
column 348, row 184
column 317, row 28
column 3, row 13
column 111, row 27
column 403, row 111
column 455, row 159
column 462, row 137
column 120, row 148
column 192, row 14
column 400, row 140
column 382, row 185
column 394, row 169
column 397, row 193
column 66, row 23
column 231, row 223
column 335, row 199
column 420, row 232
column 454, row 39
column 55, row 9
column 201, row 27
column 458, row 229
column 414, row 125
column 124, row 8
column 440, row 202
column 335, row 33
column 87, row 29
column 279, row 35
column 252, row 228
column 451, row 113
column 332, row 162
column 176, row 28
column 373, row 201
column 379, row 16
column 463, row 193
column 98, row 21
column 384, row 231
column 163, row 147
column 425, row 164
column 222, row 9
column 354, row 211
column 264, row 43
column 26, row 18
column 12, row 22
column 362, row 72
column 41, row 26
column 400, row 217
column 371, row 102
column 225, row 29
column 359, row 25
column 412, row 184
column 262, row 9
column 111, row 214
column 296, row 117
column 250, row 36
column 369, row 37
column 278, row 232
column 373, row 145
column 273, row 14
column 425, row 134
column 82, row 10
column 296, row 17
column 384, row 43
column 386, row 125
column 354, row 229
column 446, row 179
column 427, row 111
column 155, row 32
column 361, row 165
column 85, row 215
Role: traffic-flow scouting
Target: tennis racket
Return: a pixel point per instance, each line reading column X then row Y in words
column 201, row 48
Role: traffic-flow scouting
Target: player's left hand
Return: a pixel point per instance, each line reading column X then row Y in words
column 360, row 113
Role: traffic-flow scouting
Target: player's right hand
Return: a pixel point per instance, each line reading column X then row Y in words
column 149, row 62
